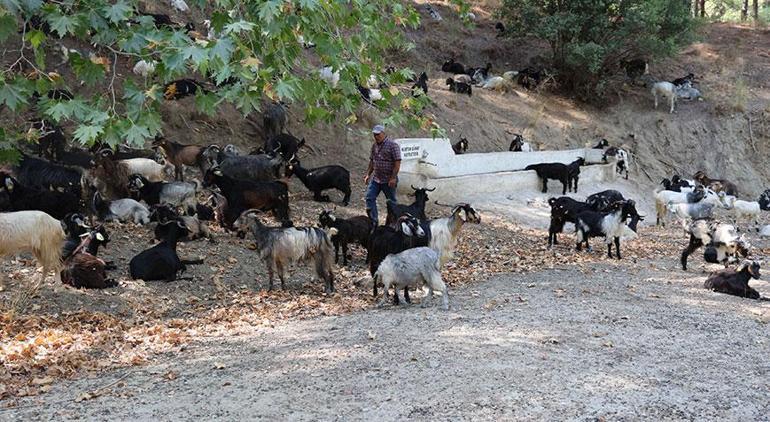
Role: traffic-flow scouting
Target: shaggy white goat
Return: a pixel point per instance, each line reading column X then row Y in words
column 696, row 211
column 444, row 231
column 497, row 83
column 148, row 168
column 412, row 268
column 741, row 209
column 35, row 232
column 180, row 5
column 144, row 68
column 665, row 90
column 331, row 76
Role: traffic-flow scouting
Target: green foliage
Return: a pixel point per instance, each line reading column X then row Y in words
column 256, row 48
column 589, row 38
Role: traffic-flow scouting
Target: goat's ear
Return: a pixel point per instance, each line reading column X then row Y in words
column 406, row 229
column 9, row 184
column 99, row 237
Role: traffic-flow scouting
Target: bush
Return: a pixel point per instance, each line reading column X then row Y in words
column 589, row 38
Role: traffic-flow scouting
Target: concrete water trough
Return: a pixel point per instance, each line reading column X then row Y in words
column 432, row 163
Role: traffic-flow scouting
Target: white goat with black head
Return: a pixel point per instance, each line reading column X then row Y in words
column 412, row 268
column 444, row 231
column 723, row 244
column 280, row 247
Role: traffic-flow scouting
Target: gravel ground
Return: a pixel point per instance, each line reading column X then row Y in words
column 595, row 344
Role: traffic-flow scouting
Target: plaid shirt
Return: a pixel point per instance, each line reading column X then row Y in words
column 383, row 158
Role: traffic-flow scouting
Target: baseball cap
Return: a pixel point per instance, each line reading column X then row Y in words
column 378, row 129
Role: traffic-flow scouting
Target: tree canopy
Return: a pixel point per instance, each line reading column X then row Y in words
column 246, row 52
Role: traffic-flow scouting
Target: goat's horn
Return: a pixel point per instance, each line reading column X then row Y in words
column 430, row 190
column 443, row 205
column 413, row 187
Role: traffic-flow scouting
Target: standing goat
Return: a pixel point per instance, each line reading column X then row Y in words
column 280, row 247
column 461, row 146
column 179, row 155
column 721, row 241
column 35, row 232
column 519, row 145
column 444, row 231
column 416, row 208
column 322, row 178
column 665, row 90
column 349, row 230
column 565, row 173
column 611, row 225
column 412, row 268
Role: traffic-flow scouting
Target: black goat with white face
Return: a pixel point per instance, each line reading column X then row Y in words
column 460, row 146
column 735, row 282
column 610, row 224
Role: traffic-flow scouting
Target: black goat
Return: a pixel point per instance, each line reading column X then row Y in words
column 461, row 146
column 764, row 201
column 161, row 261
column 386, row 240
column 500, row 28
column 450, row 66
column 563, row 210
column 274, row 120
column 459, row 87
column 675, row 184
column 51, row 142
column 529, row 78
column 74, row 226
column 40, row 174
column 565, row 173
column 54, row 203
column 603, row 143
column 635, row 68
column 285, row 144
column 601, row 201
column 76, row 157
column 416, row 208
column 242, row 195
column 348, row 230
column 164, row 213
column 685, row 80
column 181, row 88
column 610, row 224
column 735, row 282
column 420, row 84
column 320, row 179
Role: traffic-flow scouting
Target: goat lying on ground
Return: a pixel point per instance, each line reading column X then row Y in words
column 23, row 198
column 735, row 282
column 349, row 230
column 83, row 269
column 161, row 261
column 122, row 210
column 565, row 173
column 280, row 247
column 412, row 268
column 459, row 87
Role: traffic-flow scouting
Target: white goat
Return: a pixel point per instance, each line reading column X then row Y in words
column 144, row 68
column 331, row 76
column 180, row 5
column 696, row 211
column 35, row 232
column 741, row 209
column 462, row 78
column 444, row 231
column 412, row 268
column 148, row 168
column 765, row 232
column 497, row 83
column 665, row 90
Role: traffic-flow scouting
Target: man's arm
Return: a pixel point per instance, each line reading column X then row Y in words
column 396, row 168
column 369, row 171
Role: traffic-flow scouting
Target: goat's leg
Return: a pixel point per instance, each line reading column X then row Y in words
column 345, row 254
column 656, row 100
column 346, row 199
column 281, row 275
column 673, row 99
column 565, row 185
column 429, row 297
column 406, row 295
column 270, row 274
column 545, row 185
column 337, row 252
column 609, row 249
column 385, row 294
column 617, row 247
column 401, row 298
column 692, row 247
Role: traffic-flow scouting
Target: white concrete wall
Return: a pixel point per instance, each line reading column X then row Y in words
column 457, row 178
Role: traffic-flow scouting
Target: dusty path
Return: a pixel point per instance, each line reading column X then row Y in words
column 644, row 344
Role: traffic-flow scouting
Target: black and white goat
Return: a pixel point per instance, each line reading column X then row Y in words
column 82, row 269
column 620, row 156
column 565, row 173
column 735, row 282
column 722, row 242
column 676, row 184
column 764, row 201
column 181, row 194
column 459, row 87
column 612, row 225
column 386, row 240
column 519, row 145
column 461, row 146
column 280, row 247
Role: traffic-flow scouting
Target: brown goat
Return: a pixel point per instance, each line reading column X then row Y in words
column 717, row 185
column 111, row 177
column 178, row 154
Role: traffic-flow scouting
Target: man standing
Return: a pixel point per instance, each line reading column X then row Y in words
column 382, row 174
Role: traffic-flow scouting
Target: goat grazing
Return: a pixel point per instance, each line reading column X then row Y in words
column 721, row 241
column 611, row 225
column 322, row 178
column 461, row 146
column 280, row 247
column 735, row 282
column 412, row 268
column 421, row 84
column 348, row 230
column 565, row 173
column 459, row 87
column 285, row 144
column 35, row 232
column 444, row 231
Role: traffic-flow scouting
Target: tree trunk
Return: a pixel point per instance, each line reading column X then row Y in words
column 745, row 11
column 695, row 8
column 703, row 8
column 756, row 10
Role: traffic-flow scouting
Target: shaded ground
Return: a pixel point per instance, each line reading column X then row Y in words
column 558, row 344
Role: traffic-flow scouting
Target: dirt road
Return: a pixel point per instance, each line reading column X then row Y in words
column 561, row 344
